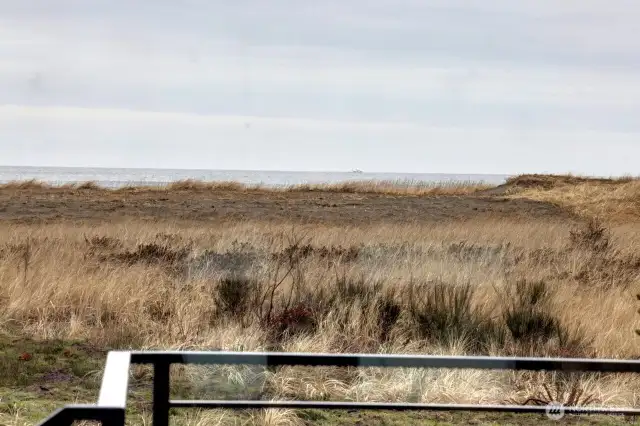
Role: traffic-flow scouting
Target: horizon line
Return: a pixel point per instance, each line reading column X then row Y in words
column 249, row 170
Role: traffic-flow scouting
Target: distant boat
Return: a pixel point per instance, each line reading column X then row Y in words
column 356, row 171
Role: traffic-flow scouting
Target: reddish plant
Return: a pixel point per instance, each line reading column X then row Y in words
column 25, row 356
column 292, row 321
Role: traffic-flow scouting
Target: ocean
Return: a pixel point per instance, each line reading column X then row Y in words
column 114, row 177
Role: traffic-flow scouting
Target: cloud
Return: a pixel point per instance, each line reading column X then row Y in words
column 498, row 73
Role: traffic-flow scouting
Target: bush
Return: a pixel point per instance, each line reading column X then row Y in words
column 528, row 324
column 292, row 321
column 532, row 325
column 308, row 305
column 236, row 296
column 527, row 317
column 444, row 313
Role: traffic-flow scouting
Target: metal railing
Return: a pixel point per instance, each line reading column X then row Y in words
column 111, row 406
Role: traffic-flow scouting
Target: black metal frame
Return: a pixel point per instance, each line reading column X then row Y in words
column 110, row 409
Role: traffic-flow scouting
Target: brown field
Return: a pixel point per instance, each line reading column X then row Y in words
column 342, row 205
column 543, row 266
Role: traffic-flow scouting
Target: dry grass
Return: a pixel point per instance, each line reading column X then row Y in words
column 550, row 181
column 196, row 185
column 492, row 287
column 140, row 285
column 388, row 187
column 614, row 199
column 400, row 187
column 25, row 184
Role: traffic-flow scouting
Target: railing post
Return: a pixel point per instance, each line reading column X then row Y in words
column 161, row 386
column 113, row 418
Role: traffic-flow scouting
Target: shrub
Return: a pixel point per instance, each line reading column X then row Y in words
column 292, row 321
column 532, row 325
column 527, row 316
column 235, row 296
column 444, row 313
column 528, row 324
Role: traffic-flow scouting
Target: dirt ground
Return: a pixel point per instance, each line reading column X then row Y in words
column 49, row 204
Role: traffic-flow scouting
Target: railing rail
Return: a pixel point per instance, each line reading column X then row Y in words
column 111, row 406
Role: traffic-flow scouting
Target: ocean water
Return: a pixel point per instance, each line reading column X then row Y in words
column 113, row 177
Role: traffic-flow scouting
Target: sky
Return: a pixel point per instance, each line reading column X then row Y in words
column 443, row 86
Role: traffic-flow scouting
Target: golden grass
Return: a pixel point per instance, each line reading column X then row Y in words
column 548, row 181
column 25, row 184
column 399, row 187
column 112, row 286
column 613, row 199
column 196, row 185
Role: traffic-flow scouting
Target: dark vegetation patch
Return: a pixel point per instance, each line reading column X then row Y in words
column 153, row 254
column 235, row 297
column 436, row 311
column 108, row 249
column 444, row 313
column 532, row 325
column 553, row 181
column 305, row 251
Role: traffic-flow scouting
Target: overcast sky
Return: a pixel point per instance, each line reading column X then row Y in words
column 476, row 86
